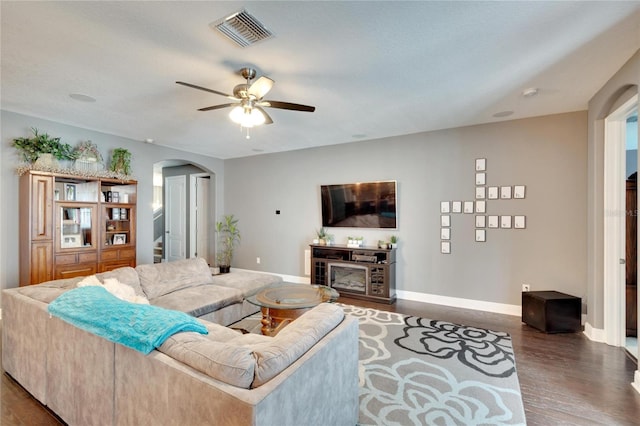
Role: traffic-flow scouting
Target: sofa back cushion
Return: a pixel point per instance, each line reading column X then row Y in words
column 159, row 279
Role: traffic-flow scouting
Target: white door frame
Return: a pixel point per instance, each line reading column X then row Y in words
column 193, row 210
column 614, row 222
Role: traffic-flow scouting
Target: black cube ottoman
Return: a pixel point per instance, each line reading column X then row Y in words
column 552, row 311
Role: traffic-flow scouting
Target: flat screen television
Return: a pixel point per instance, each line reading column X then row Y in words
column 359, row 205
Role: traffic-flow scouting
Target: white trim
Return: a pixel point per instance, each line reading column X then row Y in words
column 595, row 334
column 614, row 222
column 478, row 305
column 636, row 381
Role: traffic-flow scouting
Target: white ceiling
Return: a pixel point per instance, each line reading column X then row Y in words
column 372, row 69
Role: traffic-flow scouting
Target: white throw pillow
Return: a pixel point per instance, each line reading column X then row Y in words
column 115, row 287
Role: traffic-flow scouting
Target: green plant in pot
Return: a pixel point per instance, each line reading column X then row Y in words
column 228, row 239
column 41, row 144
column 121, row 161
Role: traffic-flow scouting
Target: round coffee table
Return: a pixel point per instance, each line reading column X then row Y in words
column 283, row 303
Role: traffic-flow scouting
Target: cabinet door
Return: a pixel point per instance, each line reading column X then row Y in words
column 41, row 262
column 110, row 266
column 76, row 227
column 41, row 207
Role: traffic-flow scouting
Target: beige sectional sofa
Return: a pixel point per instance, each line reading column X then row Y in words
column 307, row 374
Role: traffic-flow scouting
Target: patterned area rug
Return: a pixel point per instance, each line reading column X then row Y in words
column 417, row 371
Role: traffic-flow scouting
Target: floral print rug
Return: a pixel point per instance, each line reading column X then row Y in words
column 417, row 371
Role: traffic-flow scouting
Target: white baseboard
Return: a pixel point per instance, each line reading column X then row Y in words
column 477, row 305
column 595, row 334
column 636, row 381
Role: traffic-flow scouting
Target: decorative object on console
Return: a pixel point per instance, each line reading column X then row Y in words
column 324, row 238
column 228, row 238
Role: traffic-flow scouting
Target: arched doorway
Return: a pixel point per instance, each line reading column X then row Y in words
column 183, row 211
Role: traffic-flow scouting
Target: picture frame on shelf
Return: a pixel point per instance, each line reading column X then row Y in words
column 69, row 192
column 119, row 239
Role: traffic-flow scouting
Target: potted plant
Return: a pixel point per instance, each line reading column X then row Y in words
column 121, row 161
column 43, row 149
column 324, row 238
column 228, row 238
column 393, row 240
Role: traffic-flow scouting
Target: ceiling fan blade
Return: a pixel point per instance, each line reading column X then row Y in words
column 288, row 105
column 217, row 107
column 193, row 86
column 261, row 87
column 267, row 118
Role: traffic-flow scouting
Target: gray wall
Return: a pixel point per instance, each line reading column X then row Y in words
column 547, row 154
column 144, row 156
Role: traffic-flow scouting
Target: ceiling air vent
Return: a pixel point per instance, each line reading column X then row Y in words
column 242, row 28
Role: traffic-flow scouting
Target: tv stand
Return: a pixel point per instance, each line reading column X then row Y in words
column 366, row 273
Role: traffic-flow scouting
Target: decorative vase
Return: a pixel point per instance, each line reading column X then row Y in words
column 46, row 161
column 224, row 269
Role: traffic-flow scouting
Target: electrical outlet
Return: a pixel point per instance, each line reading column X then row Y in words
column 525, row 287
column 258, row 260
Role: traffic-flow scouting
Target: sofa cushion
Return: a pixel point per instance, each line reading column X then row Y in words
column 275, row 354
column 247, row 282
column 231, row 364
column 200, row 300
column 162, row 278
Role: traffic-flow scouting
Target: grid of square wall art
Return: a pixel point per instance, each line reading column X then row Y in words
column 484, row 194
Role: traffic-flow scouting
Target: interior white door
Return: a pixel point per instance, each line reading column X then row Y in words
column 202, row 218
column 175, row 217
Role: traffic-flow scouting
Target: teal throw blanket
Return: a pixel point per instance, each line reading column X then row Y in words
column 140, row 327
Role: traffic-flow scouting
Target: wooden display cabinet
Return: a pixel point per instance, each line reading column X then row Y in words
column 65, row 226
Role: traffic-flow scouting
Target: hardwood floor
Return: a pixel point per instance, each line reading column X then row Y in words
column 565, row 379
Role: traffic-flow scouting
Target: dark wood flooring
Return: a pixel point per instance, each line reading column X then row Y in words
column 565, row 379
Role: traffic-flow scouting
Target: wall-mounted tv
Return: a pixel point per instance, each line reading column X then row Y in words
column 359, row 205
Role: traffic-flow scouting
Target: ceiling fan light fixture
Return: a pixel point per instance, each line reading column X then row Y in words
column 247, row 116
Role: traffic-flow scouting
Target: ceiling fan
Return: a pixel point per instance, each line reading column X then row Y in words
column 248, row 106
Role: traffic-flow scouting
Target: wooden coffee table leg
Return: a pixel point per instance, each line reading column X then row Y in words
column 274, row 320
